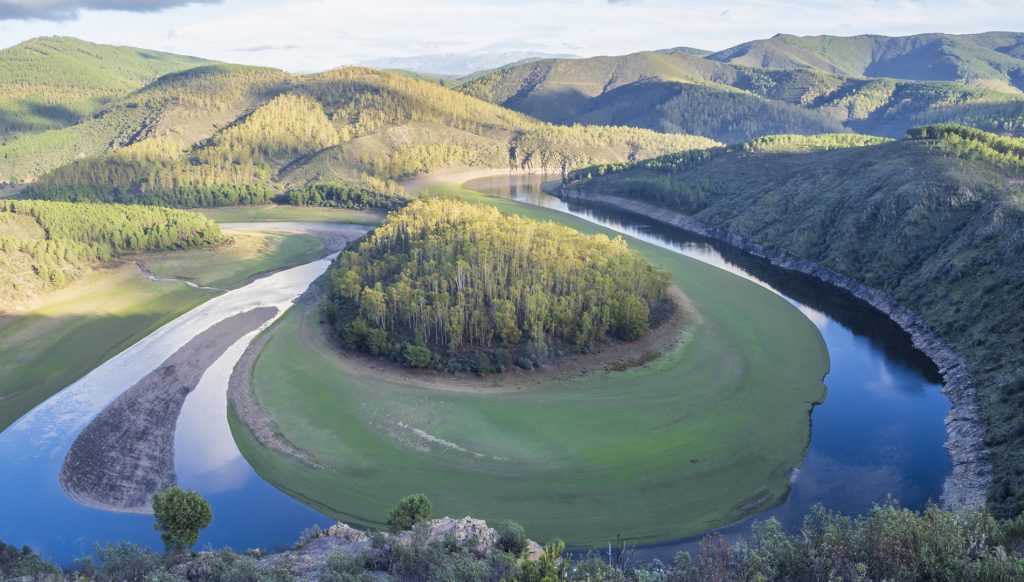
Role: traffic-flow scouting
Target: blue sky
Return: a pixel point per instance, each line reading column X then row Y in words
column 307, row 35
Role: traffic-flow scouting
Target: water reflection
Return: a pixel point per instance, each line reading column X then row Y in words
column 881, row 431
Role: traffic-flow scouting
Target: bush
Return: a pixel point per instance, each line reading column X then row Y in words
column 180, row 514
column 409, row 511
column 416, row 356
column 511, row 538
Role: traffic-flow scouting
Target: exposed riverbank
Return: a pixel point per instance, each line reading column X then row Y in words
column 968, row 484
column 126, row 454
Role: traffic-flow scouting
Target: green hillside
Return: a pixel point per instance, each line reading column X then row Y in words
column 679, row 91
column 53, row 82
column 231, row 134
column 934, row 221
column 992, row 59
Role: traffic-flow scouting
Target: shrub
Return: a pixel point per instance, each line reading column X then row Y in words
column 511, row 538
column 180, row 514
column 416, row 356
column 409, row 511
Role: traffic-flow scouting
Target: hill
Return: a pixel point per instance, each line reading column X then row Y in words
column 932, row 221
column 45, row 245
column 53, row 82
column 994, row 59
column 227, row 134
column 436, row 302
column 681, row 91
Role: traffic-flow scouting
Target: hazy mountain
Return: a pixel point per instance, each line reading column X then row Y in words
column 991, row 59
column 676, row 90
column 458, row 65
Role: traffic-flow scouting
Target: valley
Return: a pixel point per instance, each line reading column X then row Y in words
column 684, row 314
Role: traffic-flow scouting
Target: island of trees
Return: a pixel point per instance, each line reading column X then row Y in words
column 455, row 286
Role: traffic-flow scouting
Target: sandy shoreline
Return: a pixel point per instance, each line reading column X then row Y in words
column 126, row 454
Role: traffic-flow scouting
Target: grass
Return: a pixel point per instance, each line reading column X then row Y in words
column 280, row 212
column 78, row 328
column 702, row 437
column 231, row 266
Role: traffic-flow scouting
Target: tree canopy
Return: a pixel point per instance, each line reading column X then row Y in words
column 458, row 286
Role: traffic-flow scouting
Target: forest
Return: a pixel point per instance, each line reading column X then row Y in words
column 51, row 243
column 367, row 192
column 456, row 286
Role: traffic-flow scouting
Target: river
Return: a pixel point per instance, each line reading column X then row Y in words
column 879, row 433
column 881, row 430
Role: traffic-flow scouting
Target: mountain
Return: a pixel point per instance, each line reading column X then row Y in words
column 932, row 221
column 993, row 59
column 54, row 82
column 456, row 64
column 226, row 134
column 676, row 90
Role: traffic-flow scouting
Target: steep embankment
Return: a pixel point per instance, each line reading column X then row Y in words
column 927, row 230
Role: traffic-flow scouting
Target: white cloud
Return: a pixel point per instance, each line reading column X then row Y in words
column 70, row 9
column 306, row 35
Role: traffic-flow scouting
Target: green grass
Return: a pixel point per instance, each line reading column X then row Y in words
column 249, row 255
column 78, row 328
column 275, row 212
column 705, row 435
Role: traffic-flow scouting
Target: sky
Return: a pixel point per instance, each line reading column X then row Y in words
column 312, row 35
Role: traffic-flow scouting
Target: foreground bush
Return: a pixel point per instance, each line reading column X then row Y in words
column 889, row 543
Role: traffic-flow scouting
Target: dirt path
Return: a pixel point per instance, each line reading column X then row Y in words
column 126, row 454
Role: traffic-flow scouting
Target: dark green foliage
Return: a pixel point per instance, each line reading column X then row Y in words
column 410, row 511
column 179, row 196
column 445, row 280
column 933, row 221
column 357, row 196
column 511, row 538
column 21, row 562
column 180, row 514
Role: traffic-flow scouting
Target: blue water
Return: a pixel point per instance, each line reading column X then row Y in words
column 880, row 432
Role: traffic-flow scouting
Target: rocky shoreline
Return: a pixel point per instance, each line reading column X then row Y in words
column 968, row 484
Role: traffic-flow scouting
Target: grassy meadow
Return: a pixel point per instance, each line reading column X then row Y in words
column 285, row 213
column 706, row 434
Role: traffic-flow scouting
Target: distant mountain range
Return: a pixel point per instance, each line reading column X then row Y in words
column 786, row 84
column 63, row 99
column 459, row 65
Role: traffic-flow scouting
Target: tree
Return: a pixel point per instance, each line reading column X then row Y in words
column 409, row 511
column 180, row 514
column 511, row 538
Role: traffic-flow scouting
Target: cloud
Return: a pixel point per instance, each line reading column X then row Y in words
column 266, row 47
column 70, row 9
